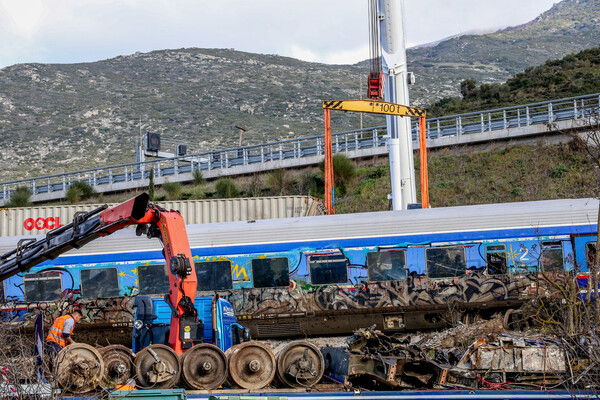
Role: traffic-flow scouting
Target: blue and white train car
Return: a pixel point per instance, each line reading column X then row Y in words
column 333, row 274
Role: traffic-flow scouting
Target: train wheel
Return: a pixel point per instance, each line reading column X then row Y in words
column 300, row 364
column 118, row 365
column 79, row 368
column 251, row 365
column 157, row 366
column 204, row 366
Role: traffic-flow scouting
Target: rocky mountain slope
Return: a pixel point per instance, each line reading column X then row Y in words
column 568, row 27
column 574, row 75
column 55, row 118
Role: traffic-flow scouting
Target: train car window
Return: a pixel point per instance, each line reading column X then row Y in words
column 445, row 262
column 154, row 279
column 386, row 266
column 328, row 269
column 42, row 286
column 552, row 257
column 270, row 272
column 2, row 295
column 99, row 282
column 495, row 259
column 214, row 275
column 590, row 253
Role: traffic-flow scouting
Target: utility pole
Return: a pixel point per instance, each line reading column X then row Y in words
column 139, row 148
column 242, row 130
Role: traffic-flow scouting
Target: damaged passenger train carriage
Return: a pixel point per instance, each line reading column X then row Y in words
column 398, row 270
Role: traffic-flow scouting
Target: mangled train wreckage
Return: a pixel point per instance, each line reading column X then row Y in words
column 375, row 361
column 397, row 270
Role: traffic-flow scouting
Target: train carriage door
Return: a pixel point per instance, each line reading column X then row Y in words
column 590, row 252
column 495, row 259
column 585, row 254
column 585, row 251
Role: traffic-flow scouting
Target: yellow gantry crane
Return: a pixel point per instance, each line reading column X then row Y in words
column 373, row 107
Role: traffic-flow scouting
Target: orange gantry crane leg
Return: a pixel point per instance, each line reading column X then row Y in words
column 423, row 158
column 329, row 184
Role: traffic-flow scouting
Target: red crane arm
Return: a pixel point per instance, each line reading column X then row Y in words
column 169, row 226
column 182, row 279
column 155, row 221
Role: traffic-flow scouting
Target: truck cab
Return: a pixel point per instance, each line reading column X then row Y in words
column 153, row 317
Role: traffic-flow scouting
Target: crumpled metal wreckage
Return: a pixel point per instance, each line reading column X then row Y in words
column 375, row 361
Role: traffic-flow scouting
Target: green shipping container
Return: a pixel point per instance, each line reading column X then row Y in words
column 150, row 394
column 213, row 397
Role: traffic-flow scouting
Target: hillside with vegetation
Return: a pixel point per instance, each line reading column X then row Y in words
column 58, row 118
column 568, row 27
column 504, row 174
column 65, row 117
column 574, row 75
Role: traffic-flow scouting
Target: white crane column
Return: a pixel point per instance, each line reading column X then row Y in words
column 402, row 171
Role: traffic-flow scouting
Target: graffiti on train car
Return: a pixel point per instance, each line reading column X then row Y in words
column 475, row 288
column 105, row 321
column 476, row 284
column 118, row 310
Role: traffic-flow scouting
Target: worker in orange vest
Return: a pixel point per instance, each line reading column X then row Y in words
column 60, row 333
column 127, row 386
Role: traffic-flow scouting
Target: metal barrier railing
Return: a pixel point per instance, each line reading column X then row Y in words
column 514, row 117
column 455, row 125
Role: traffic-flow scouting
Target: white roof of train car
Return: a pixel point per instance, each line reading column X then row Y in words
column 346, row 226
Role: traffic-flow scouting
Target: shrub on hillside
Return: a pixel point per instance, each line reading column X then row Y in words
column 254, row 187
column 173, row 190
column 20, row 197
column 343, row 172
column 195, row 193
column 276, row 180
column 309, row 183
column 198, row 178
column 79, row 191
column 226, row 189
column 343, row 168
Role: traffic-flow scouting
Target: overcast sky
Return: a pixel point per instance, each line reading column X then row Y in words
column 329, row 31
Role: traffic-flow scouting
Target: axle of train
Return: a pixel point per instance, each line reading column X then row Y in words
column 81, row 368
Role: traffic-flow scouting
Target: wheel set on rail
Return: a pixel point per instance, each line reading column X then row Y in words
column 252, row 365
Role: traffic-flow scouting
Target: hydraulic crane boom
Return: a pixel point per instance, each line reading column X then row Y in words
column 389, row 80
column 168, row 226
